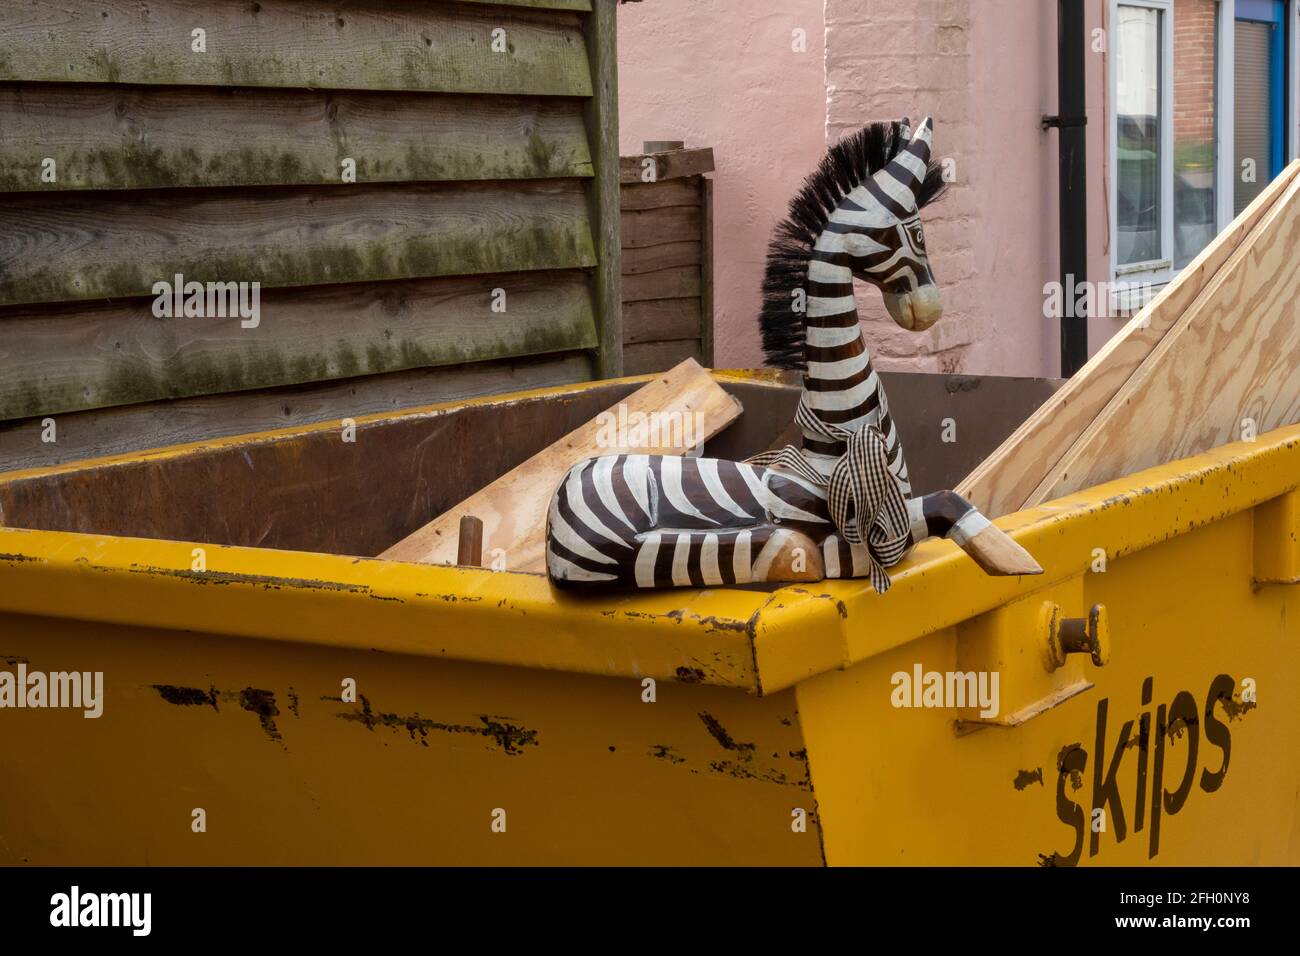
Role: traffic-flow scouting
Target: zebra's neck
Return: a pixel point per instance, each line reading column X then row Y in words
column 839, row 386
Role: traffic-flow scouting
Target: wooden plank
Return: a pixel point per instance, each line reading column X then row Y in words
column 674, row 164
column 363, row 45
column 657, row 356
column 651, row 227
column 118, row 353
column 670, row 192
column 128, row 428
column 657, row 320
column 111, row 137
column 513, row 507
column 601, row 113
column 662, row 257
column 72, row 246
column 706, row 272
column 679, row 282
column 1004, row 481
column 1228, row 369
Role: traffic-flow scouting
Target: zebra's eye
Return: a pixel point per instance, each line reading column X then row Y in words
column 918, row 237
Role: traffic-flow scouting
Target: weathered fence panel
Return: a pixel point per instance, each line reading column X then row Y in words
column 423, row 196
column 667, row 240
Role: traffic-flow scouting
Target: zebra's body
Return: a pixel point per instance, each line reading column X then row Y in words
column 840, row 505
column 664, row 520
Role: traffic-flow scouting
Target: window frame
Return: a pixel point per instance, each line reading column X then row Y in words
column 1157, row 271
column 1150, row 277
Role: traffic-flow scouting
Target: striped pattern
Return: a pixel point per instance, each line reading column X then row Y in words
column 661, row 520
column 865, row 501
column 875, row 233
column 651, row 521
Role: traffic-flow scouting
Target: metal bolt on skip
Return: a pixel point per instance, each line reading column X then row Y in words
column 1076, row 635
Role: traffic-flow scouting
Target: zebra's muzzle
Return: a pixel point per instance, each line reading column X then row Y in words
column 916, row 310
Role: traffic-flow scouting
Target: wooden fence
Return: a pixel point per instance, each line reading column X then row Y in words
column 667, row 257
column 426, row 195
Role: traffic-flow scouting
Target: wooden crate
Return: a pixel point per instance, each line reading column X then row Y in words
column 667, row 216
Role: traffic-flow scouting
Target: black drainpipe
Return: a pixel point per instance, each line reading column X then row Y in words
column 1071, row 44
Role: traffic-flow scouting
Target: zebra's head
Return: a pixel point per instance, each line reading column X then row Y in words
column 857, row 214
column 887, row 245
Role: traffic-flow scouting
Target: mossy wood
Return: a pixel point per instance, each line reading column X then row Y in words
column 77, row 246
column 142, row 137
column 364, row 45
column 119, row 353
column 128, row 155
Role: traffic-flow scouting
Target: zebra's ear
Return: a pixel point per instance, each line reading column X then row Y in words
column 908, row 169
column 925, row 134
column 905, row 129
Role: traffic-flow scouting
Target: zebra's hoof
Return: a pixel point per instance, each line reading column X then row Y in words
column 996, row 553
column 789, row 556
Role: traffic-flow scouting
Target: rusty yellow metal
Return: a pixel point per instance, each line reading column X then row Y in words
column 685, row 726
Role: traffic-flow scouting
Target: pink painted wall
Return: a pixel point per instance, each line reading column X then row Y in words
column 719, row 74
column 724, row 74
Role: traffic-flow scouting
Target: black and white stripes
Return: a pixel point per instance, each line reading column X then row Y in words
column 840, row 504
column 661, row 520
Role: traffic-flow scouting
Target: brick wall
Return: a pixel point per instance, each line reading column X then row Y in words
column 890, row 58
column 1194, row 71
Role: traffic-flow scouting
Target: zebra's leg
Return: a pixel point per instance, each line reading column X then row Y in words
column 946, row 514
column 727, row 556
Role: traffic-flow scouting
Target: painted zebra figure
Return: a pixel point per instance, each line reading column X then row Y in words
column 841, row 504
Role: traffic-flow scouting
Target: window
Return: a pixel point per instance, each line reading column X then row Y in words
column 1202, row 117
column 1139, row 119
column 1259, row 93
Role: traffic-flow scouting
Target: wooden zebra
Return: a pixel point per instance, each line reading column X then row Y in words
column 841, row 505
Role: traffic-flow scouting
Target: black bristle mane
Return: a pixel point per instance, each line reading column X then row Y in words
column 847, row 164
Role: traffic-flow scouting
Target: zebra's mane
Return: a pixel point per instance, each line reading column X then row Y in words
column 847, row 164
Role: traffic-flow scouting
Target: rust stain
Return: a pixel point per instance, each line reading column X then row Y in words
column 262, row 703
column 840, row 607
column 453, row 598
column 732, row 768
column 187, row 696
column 1236, row 709
column 1026, row 777
column 254, row 700
column 267, row 581
column 714, row 623
column 724, row 739
column 1076, row 776
column 509, row 737
column 665, row 752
